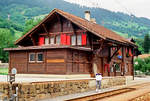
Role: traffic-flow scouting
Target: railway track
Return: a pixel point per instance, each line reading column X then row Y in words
column 103, row 95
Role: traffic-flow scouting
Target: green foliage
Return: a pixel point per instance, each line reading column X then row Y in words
column 22, row 10
column 146, row 44
column 139, row 43
column 142, row 64
column 3, row 71
column 6, row 41
column 30, row 24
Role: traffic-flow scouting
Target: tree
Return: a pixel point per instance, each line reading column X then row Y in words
column 30, row 24
column 139, row 43
column 6, row 41
column 146, row 44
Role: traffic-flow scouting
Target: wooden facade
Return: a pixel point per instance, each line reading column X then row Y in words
column 65, row 44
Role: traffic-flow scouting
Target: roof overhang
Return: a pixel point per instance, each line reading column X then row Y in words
column 46, row 47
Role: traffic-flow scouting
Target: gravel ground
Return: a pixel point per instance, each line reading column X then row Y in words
column 3, row 78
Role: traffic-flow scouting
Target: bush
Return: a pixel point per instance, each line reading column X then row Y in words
column 142, row 65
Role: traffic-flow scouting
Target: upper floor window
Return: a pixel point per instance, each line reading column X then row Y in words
column 79, row 39
column 46, row 40
column 73, row 40
column 58, row 39
column 52, row 40
column 64, row 39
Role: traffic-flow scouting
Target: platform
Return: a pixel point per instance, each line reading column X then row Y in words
column 72, row 96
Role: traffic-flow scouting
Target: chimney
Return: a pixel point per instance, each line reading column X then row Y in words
column 87, row 15
column 93, row 20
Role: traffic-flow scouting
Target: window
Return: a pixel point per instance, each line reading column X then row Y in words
column 112, row 69
column 47, row 41
column 117, row 66
column 32, row 57
column 35, row 57
column 58, row 39
column 126, row 68
column 79, row 40
column 39, row 57
column 73, row 40
column 52, row 40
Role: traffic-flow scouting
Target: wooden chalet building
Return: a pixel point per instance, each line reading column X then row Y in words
column 63, row 43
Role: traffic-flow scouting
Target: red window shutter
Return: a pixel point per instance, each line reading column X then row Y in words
column 119, row 52
column 68, row 40
column 83, row 39
column 130, row 52
column 41, row 41
column 63, row 39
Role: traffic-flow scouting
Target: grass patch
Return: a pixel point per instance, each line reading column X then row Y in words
column 3, row 71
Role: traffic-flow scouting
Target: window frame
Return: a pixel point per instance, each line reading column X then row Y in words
column 34, row 58
column 48, row 40
column 53, row 41
column 59, row 39
column 38, row 58
column 119, row 65
column 75, row 40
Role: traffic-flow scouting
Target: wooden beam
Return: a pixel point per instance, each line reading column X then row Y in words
column 109, row 59
column 45, row 28
column 60, row 21
column 100, row 48
column 32, row 39
column 70, row 32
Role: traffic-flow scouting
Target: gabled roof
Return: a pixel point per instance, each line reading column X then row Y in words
column 94, row 28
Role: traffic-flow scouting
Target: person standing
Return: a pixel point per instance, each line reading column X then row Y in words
column 98, row 81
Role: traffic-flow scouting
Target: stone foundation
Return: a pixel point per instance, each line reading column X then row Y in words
column 41, row 90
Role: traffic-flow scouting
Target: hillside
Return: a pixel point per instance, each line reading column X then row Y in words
column 22, row 10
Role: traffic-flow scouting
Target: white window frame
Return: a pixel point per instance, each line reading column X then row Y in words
column 57, row 39
column 51, row 40
column 37, row 57
column 72, row 40
column 34, row 58
column 79, row 35
column 47, row 38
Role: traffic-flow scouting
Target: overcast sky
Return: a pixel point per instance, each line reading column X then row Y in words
column 140, row 8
